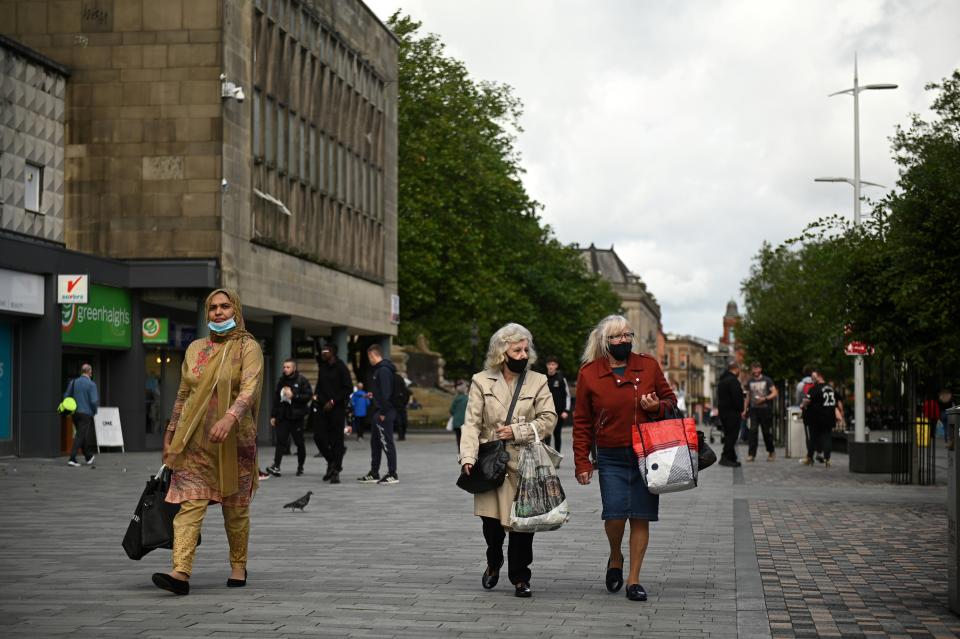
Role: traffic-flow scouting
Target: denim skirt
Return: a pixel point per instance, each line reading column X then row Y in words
column 622, row 490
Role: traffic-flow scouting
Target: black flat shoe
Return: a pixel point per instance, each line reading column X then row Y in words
column 635, row 592
column 168, row 583
column 523, row 590
column 490, row 578
column 614, row 578
column 238, row 583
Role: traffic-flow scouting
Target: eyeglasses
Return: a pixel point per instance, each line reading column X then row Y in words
column 622, row 337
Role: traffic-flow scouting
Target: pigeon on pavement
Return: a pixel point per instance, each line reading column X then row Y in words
column 299, row 503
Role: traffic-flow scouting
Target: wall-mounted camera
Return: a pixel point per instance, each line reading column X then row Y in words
column 231, row 90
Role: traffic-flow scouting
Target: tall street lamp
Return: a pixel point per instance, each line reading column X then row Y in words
column 859, row 389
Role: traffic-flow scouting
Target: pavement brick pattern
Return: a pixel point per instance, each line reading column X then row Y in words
column 839, row 569
column 733, row 558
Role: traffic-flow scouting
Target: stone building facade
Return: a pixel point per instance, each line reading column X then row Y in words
column 684, row 367
column 639, row 305
column 288, row 195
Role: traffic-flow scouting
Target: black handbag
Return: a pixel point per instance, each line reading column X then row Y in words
column 491, row 468
column 705, row 455
column 151, row 526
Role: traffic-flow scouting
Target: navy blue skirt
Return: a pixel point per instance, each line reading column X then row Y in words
column 622, row 490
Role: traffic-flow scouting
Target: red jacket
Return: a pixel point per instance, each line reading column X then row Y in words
column 608, row 406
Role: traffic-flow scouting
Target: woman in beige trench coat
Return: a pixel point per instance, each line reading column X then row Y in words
column 491, row 391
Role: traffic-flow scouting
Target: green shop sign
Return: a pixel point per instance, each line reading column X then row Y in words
column 156, row 330
column 103, row 321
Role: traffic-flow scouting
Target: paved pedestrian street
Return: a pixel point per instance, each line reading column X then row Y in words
column 769, row 550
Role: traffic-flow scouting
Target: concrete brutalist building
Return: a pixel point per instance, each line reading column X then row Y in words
column 160, row 183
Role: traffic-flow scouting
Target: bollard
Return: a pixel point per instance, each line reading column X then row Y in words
column 953, row 511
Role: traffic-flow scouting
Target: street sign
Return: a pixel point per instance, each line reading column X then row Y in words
column 858, row 348
column 72, row 289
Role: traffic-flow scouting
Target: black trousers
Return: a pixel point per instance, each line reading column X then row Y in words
column 760, row 420
column 730, row 422
column 285, row 430
column 381, row 443
column 329, row 435
column 401, row 425
column 85, row 437
column 820, row 439
column 554, row 439
column 519, row 551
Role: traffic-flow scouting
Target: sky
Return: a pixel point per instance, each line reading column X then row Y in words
column 686, row 133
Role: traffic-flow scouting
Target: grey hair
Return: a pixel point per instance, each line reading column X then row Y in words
column 86, row 368
column 597, row 345
column 501, row 340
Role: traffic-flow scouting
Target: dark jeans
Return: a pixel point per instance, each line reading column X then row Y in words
column 85, row 437
column 285, row 430
column 730, row 422
column 519, row 551
column 457, row 432
column 555, row 437
column 760, row 420
column 330, row 426
column 401, row 425
column 381, row 443
column 360, row 425
column 820, row 439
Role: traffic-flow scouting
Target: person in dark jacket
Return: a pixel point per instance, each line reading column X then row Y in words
column 332, row 397
column 730, row 405
column 557, row 384
column 383, row 421
column 84, row 391
column 290, row 403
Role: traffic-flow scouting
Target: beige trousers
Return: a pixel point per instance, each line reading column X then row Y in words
column 186, row 530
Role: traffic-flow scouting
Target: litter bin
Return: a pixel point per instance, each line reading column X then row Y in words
column 953, row 510
column 796, row 433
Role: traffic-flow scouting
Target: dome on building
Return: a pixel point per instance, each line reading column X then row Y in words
column 732, row 309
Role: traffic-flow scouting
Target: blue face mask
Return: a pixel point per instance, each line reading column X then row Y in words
column 222, row 327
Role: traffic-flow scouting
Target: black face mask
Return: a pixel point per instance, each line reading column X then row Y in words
column 516, row 366
column 621, row 351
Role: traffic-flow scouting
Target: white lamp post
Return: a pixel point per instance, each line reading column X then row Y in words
column 859, row 387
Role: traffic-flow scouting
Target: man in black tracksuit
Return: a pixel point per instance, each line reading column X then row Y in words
column 730, row 407
column 383, row 421
column 561, row 398
column 290, row 401
column 332, row 397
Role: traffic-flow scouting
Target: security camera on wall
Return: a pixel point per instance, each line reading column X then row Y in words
column 231, row 90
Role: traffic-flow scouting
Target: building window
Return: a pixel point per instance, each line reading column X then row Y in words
column 257, row 126
column 270, row 132
column 33, row 187
column 314, row 177
column 293, row 147
column 304, row 176
column 281, row 138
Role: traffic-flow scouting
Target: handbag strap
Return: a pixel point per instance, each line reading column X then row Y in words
column 516, row 395
column 69, row 392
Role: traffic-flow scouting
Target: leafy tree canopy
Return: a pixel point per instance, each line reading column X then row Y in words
column 472, row 248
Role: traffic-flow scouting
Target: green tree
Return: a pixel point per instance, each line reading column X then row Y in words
column 472, row 248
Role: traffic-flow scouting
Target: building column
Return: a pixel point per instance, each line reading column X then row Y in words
column 339, row 336
column 202, row 329
column 385, row 345
column 282, row 339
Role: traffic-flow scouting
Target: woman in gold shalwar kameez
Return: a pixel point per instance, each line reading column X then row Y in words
column 211, row 441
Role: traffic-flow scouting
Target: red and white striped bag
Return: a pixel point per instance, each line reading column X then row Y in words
column 667, row 454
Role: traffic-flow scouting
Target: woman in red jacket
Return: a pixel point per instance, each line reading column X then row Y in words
column 616, row 389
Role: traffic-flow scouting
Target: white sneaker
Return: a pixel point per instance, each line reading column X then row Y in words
column 90, row 461
column 73, row 463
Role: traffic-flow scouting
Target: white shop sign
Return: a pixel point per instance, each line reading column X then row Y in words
column 107, row 423
column 21, row 292
column 72, row 289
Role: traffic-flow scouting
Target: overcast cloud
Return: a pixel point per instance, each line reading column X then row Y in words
column 686, row 133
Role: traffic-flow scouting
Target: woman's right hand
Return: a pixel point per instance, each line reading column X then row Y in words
column 584, row 478
column 467, row 468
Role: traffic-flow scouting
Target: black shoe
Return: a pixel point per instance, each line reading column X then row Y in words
column 300, row 471
column 614, row 577
column 238, row 583
column 327, row 475
column 523, row 590
column 166, row 582
column 635, row 592
column 491, row 576
column 335, row 478
column 274, row 470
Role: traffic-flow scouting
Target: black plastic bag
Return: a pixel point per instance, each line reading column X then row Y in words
column 151, row 526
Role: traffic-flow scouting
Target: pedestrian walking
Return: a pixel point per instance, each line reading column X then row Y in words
column 509, row 357
column 759, row 405
column 561, row 399
column 820, row 405
column 332, row 396
column 359, row 403
column 211, row 440
column 84, row 391
column 803, row 387
column 730, row 408
column 618, row 389
column 384, row 419
column 291, row 401
column 400, row 399
column 458, row 410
